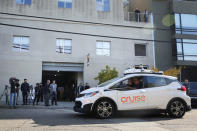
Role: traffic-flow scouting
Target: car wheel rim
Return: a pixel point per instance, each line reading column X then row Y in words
column 177, row 108
column 104, row 109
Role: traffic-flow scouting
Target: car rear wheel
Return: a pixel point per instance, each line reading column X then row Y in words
column 104, row 109
column 176, row 109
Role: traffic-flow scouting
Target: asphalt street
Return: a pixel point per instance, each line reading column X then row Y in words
column 46, row 119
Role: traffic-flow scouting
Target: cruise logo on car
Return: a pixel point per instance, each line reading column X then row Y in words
column 132, row 100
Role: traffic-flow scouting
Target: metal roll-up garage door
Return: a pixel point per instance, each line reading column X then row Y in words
column 70, row 67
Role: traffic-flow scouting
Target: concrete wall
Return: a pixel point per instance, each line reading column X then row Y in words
column 82, row 10
column 185, row 7
column 43, row 42
column 162, row 32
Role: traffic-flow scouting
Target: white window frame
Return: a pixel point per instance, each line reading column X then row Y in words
column 63, row 46
column 103, row 49
column 20, row 43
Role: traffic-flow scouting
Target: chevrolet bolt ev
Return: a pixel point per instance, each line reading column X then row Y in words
column 135, row 91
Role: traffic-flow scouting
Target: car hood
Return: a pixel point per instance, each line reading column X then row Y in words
column 91, row 90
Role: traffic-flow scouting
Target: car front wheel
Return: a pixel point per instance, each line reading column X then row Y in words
column 104, row 109
column 176, row 109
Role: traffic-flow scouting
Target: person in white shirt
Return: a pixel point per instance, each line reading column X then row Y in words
column 53, row 88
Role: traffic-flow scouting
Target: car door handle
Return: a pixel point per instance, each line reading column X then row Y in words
column 142, row 91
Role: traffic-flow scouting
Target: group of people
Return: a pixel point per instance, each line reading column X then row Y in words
column 49, row 91
column 41, row 92
column 138, row 15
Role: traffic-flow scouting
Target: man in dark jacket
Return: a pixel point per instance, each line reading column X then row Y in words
column 80, row 88
column 187, row 85
column 13, row 92
column 137, row 15
column 46, row 92
column 25, row 90
column 17, row 90
column 87, row 86
column 37, row 94
column 41, row 92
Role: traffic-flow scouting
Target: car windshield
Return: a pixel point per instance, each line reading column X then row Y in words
column 109, row 82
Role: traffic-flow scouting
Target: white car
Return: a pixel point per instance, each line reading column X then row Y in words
column 135, row 91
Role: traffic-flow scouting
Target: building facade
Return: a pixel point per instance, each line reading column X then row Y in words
column 176, row 25
column 70, row 40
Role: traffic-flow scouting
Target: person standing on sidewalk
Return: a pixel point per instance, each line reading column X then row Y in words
column 6, row 94
column 17, row 90
column 46, row 92
column 41, row 92
column 80, row 88
column 87, row 86
column 37, row 94
column 13, row 92
column 53, row 87
column 187, row 85
column 25, row 89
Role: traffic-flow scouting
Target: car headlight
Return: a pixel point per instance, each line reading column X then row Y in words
column 91, row 94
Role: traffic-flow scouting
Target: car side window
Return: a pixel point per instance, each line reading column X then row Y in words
column 132, row 83
column 154, row 81
column 168, row 81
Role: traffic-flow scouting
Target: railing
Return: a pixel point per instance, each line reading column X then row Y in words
column 138, row 17
column 187, row 57
column 186, row 31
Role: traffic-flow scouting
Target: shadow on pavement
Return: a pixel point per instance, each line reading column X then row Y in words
column 56, row 117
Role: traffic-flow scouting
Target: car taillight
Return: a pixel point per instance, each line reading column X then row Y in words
column 183, row 88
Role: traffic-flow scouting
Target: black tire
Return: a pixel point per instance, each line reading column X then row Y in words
column 104, row 109
column 176, row 108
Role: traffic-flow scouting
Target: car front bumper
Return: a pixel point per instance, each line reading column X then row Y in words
column 85, row 109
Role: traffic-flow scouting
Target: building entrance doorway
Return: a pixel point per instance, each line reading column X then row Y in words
column 190, row 73
column 67, row 77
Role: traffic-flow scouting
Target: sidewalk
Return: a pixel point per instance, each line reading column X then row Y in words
column 61, row 105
